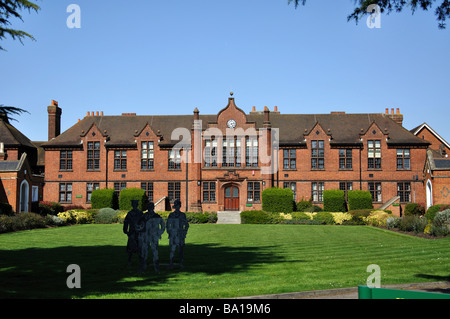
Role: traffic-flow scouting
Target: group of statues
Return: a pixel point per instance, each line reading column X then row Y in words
column 146, row 229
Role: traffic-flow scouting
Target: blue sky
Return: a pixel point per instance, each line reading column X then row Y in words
column 168, row 57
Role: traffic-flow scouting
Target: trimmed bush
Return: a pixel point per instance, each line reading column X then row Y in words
column 260, row 217
column 334, row 200
column 413, row 223
column 300, row 217
column 358, row 199
column 313, row 209
column 22, row 221
column 341, row 218
column 277, row 200
column 324, row 218
column 103, row 198
column 303, row 205
column 201, row 218
column 49, row 208
column 129, row 194
column 414, row 209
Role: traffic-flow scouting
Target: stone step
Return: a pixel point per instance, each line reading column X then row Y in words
column 228, row 217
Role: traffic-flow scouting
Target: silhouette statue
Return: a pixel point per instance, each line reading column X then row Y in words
column 154, row 228
column 132, row 226
column 177, row 227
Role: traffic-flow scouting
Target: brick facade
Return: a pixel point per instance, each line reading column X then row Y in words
column 342, row 145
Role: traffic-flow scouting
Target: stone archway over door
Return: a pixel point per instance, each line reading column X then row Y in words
column 231, row 197
column 429, row 194
column 24, row 196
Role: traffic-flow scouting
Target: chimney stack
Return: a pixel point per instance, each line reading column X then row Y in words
column 54, row 120
column 396, row 117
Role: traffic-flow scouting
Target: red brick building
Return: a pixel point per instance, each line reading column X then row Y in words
column 21, row 169
column 225, row 160
column 437, row 166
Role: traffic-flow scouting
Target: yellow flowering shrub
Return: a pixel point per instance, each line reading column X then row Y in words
column 311, row 215
column 377, row 218
column 339, row 218
column 286, row 216
column 67, row 217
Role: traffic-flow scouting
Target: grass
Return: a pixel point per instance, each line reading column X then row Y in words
column 221, row 261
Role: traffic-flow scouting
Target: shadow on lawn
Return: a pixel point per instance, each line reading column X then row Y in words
column 41, row 273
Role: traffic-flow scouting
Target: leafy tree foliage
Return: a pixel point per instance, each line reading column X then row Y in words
column 10, row 9
column 442, row 11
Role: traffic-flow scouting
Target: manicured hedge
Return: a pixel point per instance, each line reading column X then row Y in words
column 103, row 198
column 334, row 200
column 278, row 200
column 260, row 217
column 358, row 199
column 129, row 194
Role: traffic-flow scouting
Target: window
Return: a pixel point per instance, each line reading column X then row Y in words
column 209, row 192
column 404, row 191
column 292, row 186
column 375, row 191
column 253, row 192
column 148, row 188
column 118, row 186
column 251, row 152
column 93, row 158
column 317, row 155
column 210, row 153
column 147, row 155
column 174, row 159
column 65, row 192
column 65, row 160
column 90, row 187
column 317, row 189
column 34, row 193
column 374, row 154
column 345, row 159
column 289, row 158
column 174, row 191
column 120, row 160
column 403, row 159
column 231, row 153
column 345, row 186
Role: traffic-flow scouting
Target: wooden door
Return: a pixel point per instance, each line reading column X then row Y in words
column 231, row 198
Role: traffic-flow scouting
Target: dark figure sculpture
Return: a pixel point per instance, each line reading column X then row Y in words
column 177, row 227
column 154, row 228
column 132, row 227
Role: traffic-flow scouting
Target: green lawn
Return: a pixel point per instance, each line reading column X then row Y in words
column 220, row 261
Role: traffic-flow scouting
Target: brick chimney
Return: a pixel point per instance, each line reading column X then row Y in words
column 395, row 116
column 54, row 120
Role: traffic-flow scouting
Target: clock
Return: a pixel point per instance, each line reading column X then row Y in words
column 231, row 123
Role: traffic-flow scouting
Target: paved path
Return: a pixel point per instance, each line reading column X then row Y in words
column 352, row 293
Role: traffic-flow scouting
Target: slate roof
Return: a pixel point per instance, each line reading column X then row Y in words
column 11, row 136
column 438, row 161
column 344, row 128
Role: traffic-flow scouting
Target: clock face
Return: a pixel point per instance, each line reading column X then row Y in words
column 231, row 123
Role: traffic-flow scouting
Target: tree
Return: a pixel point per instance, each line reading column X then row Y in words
column 6, row 111
column 10, row 9
column 442, row 11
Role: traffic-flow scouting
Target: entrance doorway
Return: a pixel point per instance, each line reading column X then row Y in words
column 23, row 199
column 231, row 198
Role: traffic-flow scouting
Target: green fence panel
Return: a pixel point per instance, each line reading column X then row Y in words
column 365, row 292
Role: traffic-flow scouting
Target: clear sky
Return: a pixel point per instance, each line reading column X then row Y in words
column 168, row 57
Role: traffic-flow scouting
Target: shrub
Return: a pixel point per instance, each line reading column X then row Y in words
column 260, row 217
column 106, row 216
column 414, row 209
column 300, row 217
column 68, row 217
column 277, row 200
column 393, row 222
column 334, row 200
column 201, row 218
column 340, row 218
column 413, row 223
column 313, row 209
column 324, row 218
column 359, row 217
column 52, row 220
column 434, row 209
column 83, row 217
column 129, row 194
column 49, row 208
column 303, row 205
column 377, row 218
column 441, row 223
column 6, row 209
column 103, row 198
column 358, row 199
column 22, row 221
